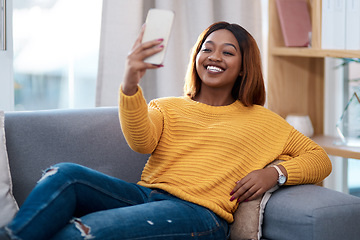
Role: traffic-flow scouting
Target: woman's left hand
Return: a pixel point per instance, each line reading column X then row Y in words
column 254, row 184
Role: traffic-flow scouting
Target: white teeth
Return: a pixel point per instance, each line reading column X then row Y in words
column 214, row 69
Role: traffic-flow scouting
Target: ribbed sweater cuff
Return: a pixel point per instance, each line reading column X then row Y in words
column 131, row 102
column 294, row 172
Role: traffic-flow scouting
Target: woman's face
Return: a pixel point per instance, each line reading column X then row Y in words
column 218, row 62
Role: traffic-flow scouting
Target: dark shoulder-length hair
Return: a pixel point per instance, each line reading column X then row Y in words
column 249, row 87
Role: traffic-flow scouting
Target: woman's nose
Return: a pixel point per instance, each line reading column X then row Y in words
column 215, row 56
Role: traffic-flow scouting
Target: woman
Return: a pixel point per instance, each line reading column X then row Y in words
column 208, row 153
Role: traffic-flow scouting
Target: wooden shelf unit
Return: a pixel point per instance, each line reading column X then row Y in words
column 296, row 77
column 314, row 53
column 337, row 150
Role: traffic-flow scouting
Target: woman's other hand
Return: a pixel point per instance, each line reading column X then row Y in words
column 135, row 67
column 255, row 184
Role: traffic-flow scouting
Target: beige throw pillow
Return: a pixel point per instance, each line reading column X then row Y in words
column 248, row 218
column 8, row 204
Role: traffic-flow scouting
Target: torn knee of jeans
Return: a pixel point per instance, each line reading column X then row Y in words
column 84, row 229
column 10, row 234
column 49, row 172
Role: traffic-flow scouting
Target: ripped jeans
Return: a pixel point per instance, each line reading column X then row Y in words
column 75, row 202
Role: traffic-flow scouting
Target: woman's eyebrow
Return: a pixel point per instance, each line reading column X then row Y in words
column 228, row 44
column 211, row 42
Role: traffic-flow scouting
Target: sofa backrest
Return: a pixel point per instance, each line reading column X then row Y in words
column 92, row 137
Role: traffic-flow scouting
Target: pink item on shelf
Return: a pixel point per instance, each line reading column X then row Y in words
column 295, row 22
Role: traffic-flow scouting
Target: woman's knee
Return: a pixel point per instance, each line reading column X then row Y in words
column 64, row 169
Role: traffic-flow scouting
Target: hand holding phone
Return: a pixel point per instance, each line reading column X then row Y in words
column 158, row 26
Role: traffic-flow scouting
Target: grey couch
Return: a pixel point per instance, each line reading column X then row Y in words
column 92, row 137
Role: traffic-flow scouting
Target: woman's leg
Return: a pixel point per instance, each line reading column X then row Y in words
column 67, row 190
column 164, row 217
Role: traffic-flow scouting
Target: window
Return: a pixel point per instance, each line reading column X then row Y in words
column 341, row 80
column 56, row 45
column 352, row 81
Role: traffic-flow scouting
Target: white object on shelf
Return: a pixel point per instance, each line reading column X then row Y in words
column 302, row 123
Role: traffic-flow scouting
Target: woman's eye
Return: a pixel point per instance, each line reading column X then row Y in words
column 205, row 50
column 228, row 53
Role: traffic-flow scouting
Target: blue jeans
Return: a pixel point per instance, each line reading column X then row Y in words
column 75, row 202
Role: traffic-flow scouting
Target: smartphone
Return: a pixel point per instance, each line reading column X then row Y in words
column 158, row 24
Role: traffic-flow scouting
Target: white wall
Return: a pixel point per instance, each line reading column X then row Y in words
column 6, row 66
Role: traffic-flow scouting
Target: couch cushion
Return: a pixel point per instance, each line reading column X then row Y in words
column 311, row 212
column 248, row 218
column 90, row 137
column 7, row 202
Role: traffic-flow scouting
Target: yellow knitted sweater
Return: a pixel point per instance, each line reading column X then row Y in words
column 198, row 151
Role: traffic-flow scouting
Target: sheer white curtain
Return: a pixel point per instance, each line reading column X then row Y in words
column 121, row 22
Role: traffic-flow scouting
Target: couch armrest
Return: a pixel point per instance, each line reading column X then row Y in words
column 311, row 212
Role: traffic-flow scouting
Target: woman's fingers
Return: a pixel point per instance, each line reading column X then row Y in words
column 135, row 60
column 136, row 67
column 243, row 190
column 140, row 51
column 139, row 38
column 144, row 50
column 252, row 194
column 148, row 49
column 254, row 185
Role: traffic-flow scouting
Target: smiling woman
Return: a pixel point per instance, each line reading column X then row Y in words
column 240, row 44
column 218, row 64
column 56, row 57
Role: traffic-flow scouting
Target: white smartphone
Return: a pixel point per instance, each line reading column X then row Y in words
column 158, row 25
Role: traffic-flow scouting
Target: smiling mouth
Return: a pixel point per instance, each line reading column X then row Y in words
column 214, row 69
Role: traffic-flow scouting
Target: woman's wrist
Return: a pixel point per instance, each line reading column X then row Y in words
column 129, row 90
column 283, row 170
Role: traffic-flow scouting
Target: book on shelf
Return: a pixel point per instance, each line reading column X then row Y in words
column 352, row 29
column 295, row 22
column 333, row 24
column 340, row 24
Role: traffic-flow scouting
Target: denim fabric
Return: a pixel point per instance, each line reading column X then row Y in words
column 75, row 202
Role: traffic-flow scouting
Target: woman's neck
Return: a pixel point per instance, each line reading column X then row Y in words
column 213, row 99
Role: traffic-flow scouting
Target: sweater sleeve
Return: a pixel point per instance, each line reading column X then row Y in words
column 141, row 125
column 308, row 162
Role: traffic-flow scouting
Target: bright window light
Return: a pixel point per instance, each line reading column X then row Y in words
column 56, row 49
